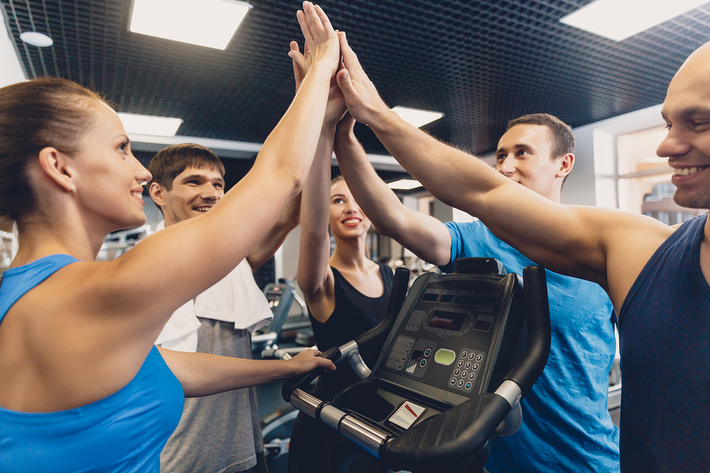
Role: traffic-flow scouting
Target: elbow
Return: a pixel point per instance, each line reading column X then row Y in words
column 298, row 182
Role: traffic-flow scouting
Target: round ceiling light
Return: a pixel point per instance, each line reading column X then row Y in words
column 36, row 39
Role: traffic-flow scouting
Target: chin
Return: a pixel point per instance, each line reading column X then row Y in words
column 691, row 201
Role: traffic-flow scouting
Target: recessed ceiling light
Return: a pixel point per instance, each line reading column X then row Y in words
column 416, row 117
column 36, row 39
column 149, row 125
column 620, row 19
column 209, row 23
column 404, row 184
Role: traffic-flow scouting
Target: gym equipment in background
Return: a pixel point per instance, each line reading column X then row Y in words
column 450, row 375
column 281, row 296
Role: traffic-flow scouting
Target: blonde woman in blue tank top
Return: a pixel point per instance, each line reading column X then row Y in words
column 82, row 388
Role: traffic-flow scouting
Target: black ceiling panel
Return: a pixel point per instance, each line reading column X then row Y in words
column 481, row 63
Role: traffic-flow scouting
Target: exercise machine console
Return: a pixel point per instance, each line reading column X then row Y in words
column 451, row 373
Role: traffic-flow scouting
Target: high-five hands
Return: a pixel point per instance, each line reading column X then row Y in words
column 361, row 97
column 336, row 107
column 321, row 40
column 325, row 45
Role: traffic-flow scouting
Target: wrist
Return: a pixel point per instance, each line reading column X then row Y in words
column 385, row 120
column 328, row 130
column 320, row 71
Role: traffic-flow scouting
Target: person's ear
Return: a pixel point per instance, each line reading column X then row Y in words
column 565, row 165
column 157, row 193
column 59, row 168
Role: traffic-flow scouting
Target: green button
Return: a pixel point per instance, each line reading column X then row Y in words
column 444, row 356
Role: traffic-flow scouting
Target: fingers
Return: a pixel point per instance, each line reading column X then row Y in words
column 324, row 20
column 305, row 27
column 313, row 18
column 345, row 83
column 350, row 60
column 299, row 63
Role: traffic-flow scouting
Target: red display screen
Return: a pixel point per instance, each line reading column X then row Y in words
column 447, row 320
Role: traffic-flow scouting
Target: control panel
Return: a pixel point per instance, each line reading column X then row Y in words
column 447, row 335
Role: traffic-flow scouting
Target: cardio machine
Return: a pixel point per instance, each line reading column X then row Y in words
column 451, row 372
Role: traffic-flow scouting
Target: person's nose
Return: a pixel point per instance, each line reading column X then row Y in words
column 210, row 192
column 351, row 208
column 506, row 166
column 674, row 144
column 142, row 174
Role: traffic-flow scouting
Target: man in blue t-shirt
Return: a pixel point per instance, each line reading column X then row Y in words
column 657, row 278
column 566, row 425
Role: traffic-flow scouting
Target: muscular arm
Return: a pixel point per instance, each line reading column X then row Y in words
column 606, row 246
column 202, row 374
column 265, row 249
column 422, row 234
column 180, row 262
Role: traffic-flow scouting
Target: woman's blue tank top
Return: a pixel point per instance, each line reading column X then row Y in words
column 123, row 432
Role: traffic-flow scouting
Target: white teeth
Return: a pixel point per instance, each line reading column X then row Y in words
column 687, row 171
column 351, row 220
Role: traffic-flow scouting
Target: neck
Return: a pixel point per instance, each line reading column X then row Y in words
column 37, row 240
column 350, row 253
column 555, row 195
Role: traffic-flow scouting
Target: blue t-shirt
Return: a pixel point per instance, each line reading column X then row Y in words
column 664, row 331
column 123, row 432
column 566, row 425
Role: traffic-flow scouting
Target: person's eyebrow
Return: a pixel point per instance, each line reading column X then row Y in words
column 691, row 112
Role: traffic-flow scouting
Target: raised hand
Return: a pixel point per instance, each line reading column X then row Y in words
column 301, row 62
column 322, row 41
column 361, row 97
column 336, row 107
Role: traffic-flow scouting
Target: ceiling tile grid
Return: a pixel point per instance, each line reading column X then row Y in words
column 481, row 63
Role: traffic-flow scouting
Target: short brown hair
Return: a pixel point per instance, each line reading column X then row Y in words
column 562, row 135
column 169, row 162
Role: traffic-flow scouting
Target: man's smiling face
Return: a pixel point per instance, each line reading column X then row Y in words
column 194, row 192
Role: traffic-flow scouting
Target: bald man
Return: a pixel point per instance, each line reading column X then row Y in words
column 657, row 279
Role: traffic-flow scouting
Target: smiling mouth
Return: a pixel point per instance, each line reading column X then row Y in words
column 202, row 209
column 688, row 171
column 351, row 221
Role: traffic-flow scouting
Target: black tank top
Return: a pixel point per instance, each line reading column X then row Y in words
column 354, row 314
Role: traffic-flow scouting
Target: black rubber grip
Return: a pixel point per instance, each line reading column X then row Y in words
column 301, row 381
column 537, row 348
column 447, row 439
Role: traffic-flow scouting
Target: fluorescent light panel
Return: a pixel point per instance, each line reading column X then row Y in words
column 34, row 38
column 416, row 117
column 147, row 125
column 620, row 19
column 404, row 184
column 209, row 23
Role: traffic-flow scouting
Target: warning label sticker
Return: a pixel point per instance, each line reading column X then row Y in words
column 407, row 414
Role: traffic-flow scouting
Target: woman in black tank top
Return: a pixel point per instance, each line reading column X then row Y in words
column 346, row 292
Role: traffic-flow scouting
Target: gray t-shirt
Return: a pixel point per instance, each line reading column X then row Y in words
column 218, row 433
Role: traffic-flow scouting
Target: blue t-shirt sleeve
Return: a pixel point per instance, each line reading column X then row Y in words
column 464, row 237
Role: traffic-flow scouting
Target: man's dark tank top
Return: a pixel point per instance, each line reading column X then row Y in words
column 354, row 314
column 664, row 327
